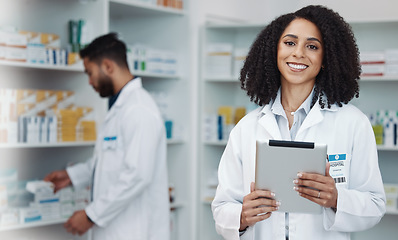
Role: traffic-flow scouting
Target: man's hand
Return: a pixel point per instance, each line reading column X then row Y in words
column 78, row 223
column 60, row 179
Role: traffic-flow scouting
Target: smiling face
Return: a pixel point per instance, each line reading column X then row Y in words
column 300, row 53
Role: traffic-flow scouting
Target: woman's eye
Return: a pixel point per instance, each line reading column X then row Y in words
column 313, row 47
column 290, row 43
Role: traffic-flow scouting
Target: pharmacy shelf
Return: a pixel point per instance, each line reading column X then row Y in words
column 379, row 79
column 78, row 67
column 235, row 26
column 175, row 141
column 216, row 143
column 59, row 221
column 131, row 8
column 47, row 145
column 176, row 205
column 33, row 224
column 207, row 201
column 67, row 144
column 384, row 148
column 392, row 212
column 222, row 79
column 156, row 75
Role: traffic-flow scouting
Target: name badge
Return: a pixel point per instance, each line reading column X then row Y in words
column 337, row 168
column 109, row 143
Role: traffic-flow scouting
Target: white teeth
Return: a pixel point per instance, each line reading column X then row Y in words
column 297, row 66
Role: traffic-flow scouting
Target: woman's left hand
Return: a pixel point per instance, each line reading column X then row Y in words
column 317, row 188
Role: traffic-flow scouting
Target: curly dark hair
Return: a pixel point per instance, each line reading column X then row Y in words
column 338, row 80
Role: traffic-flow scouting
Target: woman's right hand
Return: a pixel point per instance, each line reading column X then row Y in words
column 257, row 206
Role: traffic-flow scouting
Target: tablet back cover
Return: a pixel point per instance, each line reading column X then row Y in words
column 277, row 167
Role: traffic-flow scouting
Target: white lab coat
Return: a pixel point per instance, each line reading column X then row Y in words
column 361, row 200
column 130, row 190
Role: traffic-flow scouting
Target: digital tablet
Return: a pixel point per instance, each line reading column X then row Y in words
column 277, row 165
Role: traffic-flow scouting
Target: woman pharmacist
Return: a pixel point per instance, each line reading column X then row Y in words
column 302, row 70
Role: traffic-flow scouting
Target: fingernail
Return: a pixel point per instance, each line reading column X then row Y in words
column 295, row 188
column 273, row 194
column 295, row 181
column 299, row 175
column 278, row 203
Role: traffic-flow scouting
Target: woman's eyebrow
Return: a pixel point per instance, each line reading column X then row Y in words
column 313, row 39
column 290, row 35
column 308, row 39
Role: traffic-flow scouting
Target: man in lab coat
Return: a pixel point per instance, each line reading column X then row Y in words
column 128, row 172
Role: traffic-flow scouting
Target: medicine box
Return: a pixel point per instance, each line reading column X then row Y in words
column 391, row 191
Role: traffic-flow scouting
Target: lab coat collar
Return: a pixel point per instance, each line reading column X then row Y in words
column 135, row 83
column 268, row 121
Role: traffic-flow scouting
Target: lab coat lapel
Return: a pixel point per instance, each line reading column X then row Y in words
column 130, row 86
column 314, row 117
column 268, row 122
column 111, row 113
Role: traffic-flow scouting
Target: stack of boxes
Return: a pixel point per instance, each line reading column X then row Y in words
column 34, row 201
column 177, row 4
column 385, row 127
column 223, row 61
column 34, row 47
column 218, row 127
column 142, row 59
column 391, row 191
column 43, row 116
column 380, row 63
column 218, row 60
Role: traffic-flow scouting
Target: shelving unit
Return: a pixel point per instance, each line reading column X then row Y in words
column 378, row 93
column 216, row 92
column 164, row 28
column 34, row 161
column 226, row 91
column 136, row 22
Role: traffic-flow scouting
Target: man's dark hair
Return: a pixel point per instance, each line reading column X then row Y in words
column 106, row 46
column 337, row 80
